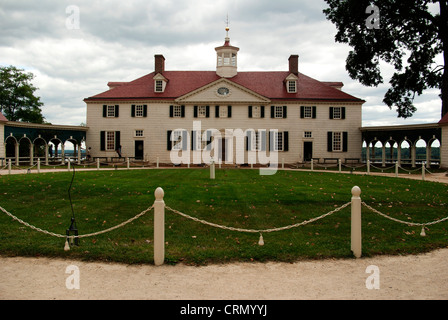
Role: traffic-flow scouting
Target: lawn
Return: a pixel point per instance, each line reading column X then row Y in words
column 236, row 198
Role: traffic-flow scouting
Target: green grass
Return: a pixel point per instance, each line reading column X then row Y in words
column 236, row 198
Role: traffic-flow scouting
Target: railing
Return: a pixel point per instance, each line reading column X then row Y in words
column 159, row 224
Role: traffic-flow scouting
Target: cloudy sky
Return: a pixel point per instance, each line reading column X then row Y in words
column 117, row 40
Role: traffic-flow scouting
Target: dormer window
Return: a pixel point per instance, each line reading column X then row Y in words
column 292, row 86
column 160, row 83
column 159, row 86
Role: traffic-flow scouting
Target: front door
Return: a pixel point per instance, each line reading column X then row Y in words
column 307, row 151
column 139, row 150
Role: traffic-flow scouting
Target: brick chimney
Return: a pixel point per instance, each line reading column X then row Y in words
column 159, row 63
column 294, row 64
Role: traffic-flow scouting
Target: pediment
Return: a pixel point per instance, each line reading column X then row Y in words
column 222, row 90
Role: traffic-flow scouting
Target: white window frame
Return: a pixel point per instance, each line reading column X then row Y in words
column 278, row 112
column 278, row 141
column 223, row 112
column 111, row 111
column 292, row 86
column 338, row 141
column 176, row 140
column 110, row 140
column 337, row 112
column 158, row 85
column 307, row 112
column 202, row 111
column 256, row 112
column 139, row 133
column 308, row 134
column 177, row 111
column 139, row 111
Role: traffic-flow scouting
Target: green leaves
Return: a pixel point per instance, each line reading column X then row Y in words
column 17, row 99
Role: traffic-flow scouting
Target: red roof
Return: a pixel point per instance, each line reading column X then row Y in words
column 3, row 118
column 444, row 120
column 268, row 84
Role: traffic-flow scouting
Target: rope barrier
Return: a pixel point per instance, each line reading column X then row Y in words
column 410, row 224
column 261, row 241
column 78, row 236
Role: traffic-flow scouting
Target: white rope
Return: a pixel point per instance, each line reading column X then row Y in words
column 401, row 221
column 257, row 230
column 79, row 236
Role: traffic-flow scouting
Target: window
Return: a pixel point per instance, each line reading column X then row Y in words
column 256, row 112
column 177, row 111
column 308, row 112
column 159, row 85
column 279, row 141
column 110, row 111
column 223, row 113
column 139, row 111
column 176, row 139
column 337, row 112
column 139, row 133
column 202, row 111
column 307, row 134
column 337, row 141
column 292, row 86
column 109, row 140
column 278, row 112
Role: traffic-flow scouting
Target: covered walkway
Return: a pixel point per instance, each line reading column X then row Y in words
column 26, row 142
column 395, row 136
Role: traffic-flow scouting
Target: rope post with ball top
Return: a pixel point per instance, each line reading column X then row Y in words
column 356, row 238
column 159, row 227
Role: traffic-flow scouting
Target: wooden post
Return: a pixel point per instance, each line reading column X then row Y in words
column 356, row 239
column 368, row 167
column 423, row 170
column 9, row 166
column 312, row 164
column 159, row 227
column 396, row 169
column 97, row 163
column 38, row 165
column 212, row 169
column 127, row 163
column 340, row 165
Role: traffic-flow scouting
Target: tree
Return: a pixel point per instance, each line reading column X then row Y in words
column 17, row 99
column 404, row 34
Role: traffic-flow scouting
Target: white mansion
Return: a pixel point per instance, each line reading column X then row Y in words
column 285, row 111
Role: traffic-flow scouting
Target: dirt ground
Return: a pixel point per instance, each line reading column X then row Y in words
column 421, row 277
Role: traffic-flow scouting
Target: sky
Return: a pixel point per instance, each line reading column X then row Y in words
column 74, row 48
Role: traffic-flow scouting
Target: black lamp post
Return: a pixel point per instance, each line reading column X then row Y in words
column 72, row 233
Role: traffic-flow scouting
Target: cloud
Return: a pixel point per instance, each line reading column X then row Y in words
column 117, row 41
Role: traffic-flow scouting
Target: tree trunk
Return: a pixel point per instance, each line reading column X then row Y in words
column 444, row 37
